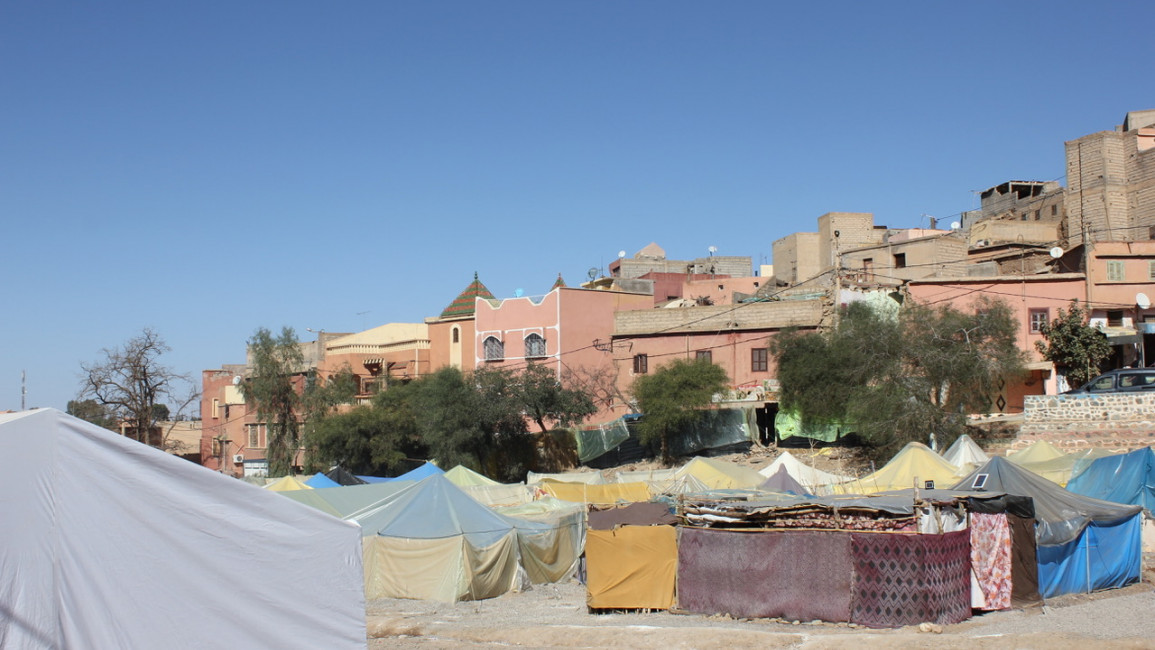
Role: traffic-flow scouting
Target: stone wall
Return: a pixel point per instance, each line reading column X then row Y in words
column 1073, row 422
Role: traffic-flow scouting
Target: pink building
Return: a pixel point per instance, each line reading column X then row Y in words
column 568, row 330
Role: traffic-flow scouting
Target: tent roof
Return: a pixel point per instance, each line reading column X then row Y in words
column 1126, row 478
column 78, row 522
column 1039, row 451
column 965, row 453
column 421, row 471
column 342, row 476
column 1061, row 515
column 319, row 480
column 462, row 476
column 286, row 483
column 914, row 461
column 813, row 479
column 345, row 500
column 719, row 474
column 781, row 481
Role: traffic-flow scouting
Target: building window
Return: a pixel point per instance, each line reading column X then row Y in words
column 1054, row 210
column 704, row 355
column 456, row 335
column 868, row 269
column 758, row 360
column 1151, row 270
column 1115, row 318
column 494, row 349
column 1036, row 215
column 1039, row 318
column 371, row 385
column 257, row 435
column 641, row 364
column 216, row 408
column 534, row 346
column 900, row 260
column 1115, row 271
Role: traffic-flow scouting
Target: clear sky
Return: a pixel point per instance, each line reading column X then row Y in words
column 207, row 168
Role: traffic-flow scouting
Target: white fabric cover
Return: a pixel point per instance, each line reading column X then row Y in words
column 965, row 454
column 109, row 543
column 815, row 480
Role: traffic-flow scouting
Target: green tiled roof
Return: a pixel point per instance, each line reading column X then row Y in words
column 464, row 304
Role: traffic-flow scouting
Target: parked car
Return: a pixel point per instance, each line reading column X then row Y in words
column 1119, row 381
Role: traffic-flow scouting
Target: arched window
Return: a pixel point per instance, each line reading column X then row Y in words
column 534, row 346
column 456, row 335
column 494, row 349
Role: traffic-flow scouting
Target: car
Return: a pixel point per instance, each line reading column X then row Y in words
column 1125, row 380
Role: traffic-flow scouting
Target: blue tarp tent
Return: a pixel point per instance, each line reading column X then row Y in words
column 1084, row 544
column 425, row 470
column 1127, row 478
column 319, row 480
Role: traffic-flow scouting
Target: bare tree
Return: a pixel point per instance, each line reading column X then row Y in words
column 135, row 388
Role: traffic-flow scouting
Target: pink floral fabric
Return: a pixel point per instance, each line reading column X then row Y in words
column 991, row 558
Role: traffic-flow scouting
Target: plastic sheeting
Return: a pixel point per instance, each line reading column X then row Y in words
column 789, row 424
column 596, row 441
column 631, row 567
column 1061, row 515
column 462, row 476
column 1127, row 478
column 714, row 429
column 1104, row 556
column 606, row 494
column 114, row 544
column 814, row 480
column 589, row 478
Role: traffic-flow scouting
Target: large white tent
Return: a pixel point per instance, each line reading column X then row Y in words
column 110, row 543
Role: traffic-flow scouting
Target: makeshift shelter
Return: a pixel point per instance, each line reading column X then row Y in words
column 342, row 476
column 462, row 476
column 345, row 500
column 914, row 462
column 319, row 480
column 1036, row 452
column 721, row 475
column 1047, row 461
column 965, row 454
column 603, row 494
column 781, row 481
column 434, row 542
column 1124, row 478
column 1084, row 544
column 423, row 470
column 589, row 478
column 631, row 557
column 161, row 552
column 287, row 483
column 814, row 480
column 501, row 494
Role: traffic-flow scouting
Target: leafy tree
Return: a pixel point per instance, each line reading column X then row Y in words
column 899, row 379
column 320, row 399
column 545, row 399
column 372, row 439
column 92, row 411
column 1073, row 346
column 132, row 384
column 276, row 364
column 671, row 397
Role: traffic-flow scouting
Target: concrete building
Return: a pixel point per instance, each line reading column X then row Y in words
column 652, row 259
column 905, row 255
column 1111, row 183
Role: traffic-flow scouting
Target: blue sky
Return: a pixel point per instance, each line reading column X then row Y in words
column 208, row 168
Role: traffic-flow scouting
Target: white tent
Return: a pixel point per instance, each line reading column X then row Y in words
column 965, row 454
column 815, row 480
column 113, row 544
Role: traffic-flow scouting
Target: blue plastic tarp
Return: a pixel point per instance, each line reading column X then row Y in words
column 425, row 470
column 1104, row 556
column 319, row 480
column 1127, row 478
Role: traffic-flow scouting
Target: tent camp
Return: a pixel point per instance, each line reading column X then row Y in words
column 914, row 462
column 1048, row 461
column 965, row 453
column 434, row 542
column 1084, row 544
column 121, row 545
column 814, row 480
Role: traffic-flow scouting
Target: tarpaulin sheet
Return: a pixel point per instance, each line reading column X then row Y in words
column 715, row 428
column 606, row 494
column 797, row 575
column 595, row 441
column 1104, row 556
column 910, row 579
column 788, row 424
column 1129, row 478
column 631, row 567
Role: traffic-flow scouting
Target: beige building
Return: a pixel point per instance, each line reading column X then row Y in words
column 906, row 255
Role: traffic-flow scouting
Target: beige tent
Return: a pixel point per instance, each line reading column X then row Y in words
column 605, row 494
column 288, row 483
column 462, row 476
column 721, row 475
column 915, row 462
column 1062, row 468
column 815, row 480
column 589, row 478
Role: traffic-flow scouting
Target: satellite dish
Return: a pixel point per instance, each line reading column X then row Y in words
column 1056, row 252
column 518, row 292
column 237, row 380
column 621, row 254
column 1142, row 300
column 712, row 249
column 954, row 225
column 593, row 272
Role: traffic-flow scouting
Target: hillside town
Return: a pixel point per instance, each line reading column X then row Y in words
column 740, row 520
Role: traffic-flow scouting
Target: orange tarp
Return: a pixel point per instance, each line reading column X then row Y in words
column 631, row 567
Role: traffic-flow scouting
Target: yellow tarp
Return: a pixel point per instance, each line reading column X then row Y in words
column 631, row 567
column 288, row 483
column 605, row 494
column 1038, row 452
column 915, row 461
column 1061, row 469
column 721, row 475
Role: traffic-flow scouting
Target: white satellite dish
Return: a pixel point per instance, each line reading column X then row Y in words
column 236, row 380
column 1056, row 252
column 954, row 225
column 621, row 254
column 1142, row 300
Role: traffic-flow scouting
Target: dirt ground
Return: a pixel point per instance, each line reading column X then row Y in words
column 555, row 616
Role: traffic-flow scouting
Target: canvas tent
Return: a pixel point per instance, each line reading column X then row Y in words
column 965, row 453
column 288, row 483
column 1048, row 461
column 914, row 462
column 121, row 545
column 814, row 480
column 721, row 475
column 462, row 476
column 1084, row 544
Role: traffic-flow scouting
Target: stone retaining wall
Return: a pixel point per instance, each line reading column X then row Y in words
column 1073, row 422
